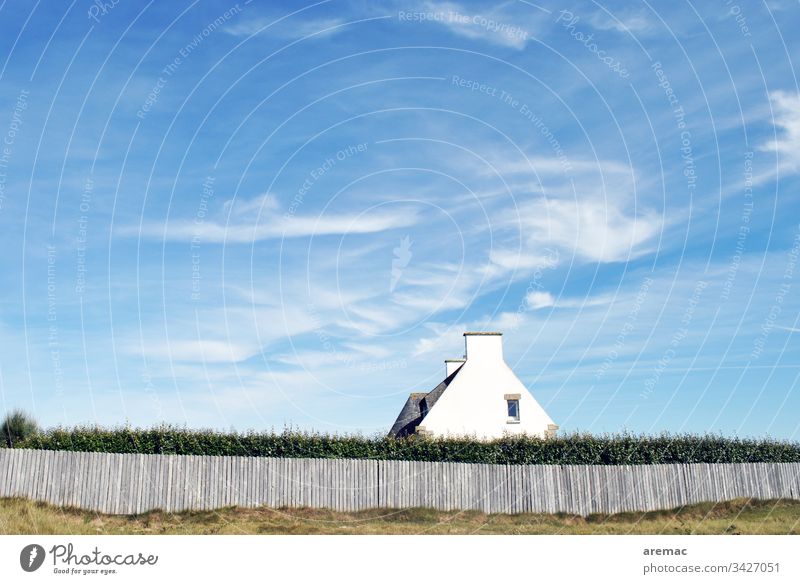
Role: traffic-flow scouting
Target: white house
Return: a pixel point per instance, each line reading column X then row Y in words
column 480, row 396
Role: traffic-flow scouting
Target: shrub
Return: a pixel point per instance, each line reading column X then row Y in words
column 572, row 449
column 17, row 427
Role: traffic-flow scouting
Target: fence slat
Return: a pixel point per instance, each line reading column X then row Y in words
column 136, row 483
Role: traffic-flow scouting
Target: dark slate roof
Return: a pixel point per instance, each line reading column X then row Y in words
column 411, row 415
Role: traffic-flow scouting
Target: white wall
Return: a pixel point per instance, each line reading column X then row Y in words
column 474, row 403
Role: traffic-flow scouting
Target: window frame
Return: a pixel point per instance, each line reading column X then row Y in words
column 512, row 419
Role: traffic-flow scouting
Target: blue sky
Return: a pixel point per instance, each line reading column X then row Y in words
column 252, row 216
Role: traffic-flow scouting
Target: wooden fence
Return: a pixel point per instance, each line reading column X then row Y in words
column 135, row 483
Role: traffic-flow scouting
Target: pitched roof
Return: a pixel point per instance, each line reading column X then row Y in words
column 412, row 414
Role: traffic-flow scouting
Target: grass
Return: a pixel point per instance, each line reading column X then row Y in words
column 742, row 516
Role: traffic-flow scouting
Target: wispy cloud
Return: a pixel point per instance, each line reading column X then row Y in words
column 442, row 339
column 595, row 231
column 635, row 22
column 496, row 26
column 786, row 108
column 549, row 166
column 521, row 220
column 259, row 219
column 521, row 261
column 583, row 216
column 789, row 329
column 230, row 334
column 287, row 29
column 200, row 351
column 538, row 299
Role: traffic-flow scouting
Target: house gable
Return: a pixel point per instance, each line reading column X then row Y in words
column 475, row 404
column 474, row 399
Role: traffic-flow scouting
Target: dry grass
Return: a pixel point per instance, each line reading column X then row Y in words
column 18, row 516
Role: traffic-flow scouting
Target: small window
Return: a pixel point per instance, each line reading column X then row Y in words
column 513, row 410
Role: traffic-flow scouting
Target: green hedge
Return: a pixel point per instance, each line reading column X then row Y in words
column 573, row 449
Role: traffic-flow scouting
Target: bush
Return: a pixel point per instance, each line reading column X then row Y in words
column 573, row 449
column 17, row 427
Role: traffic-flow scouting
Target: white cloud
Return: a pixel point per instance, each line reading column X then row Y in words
column 544, row 165
column 625, row 23
column 374, row 351
column 521, row 261
column 581, row 216
column 789, row 329
column 354, row 355
column 536, row 300
column 289, row 29
column 259, row 219
column 226, row 334
column 555, row 221
column 595, row 231
column 207, row 351
column 444, row 340
column 496, row 26
column 372, row 319
column 786, row 108
column 249, row 208
column 508, row 321
column 433, row 287
column 313, row 360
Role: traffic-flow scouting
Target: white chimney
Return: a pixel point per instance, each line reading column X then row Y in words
column 484, row 346
column 452, row 365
